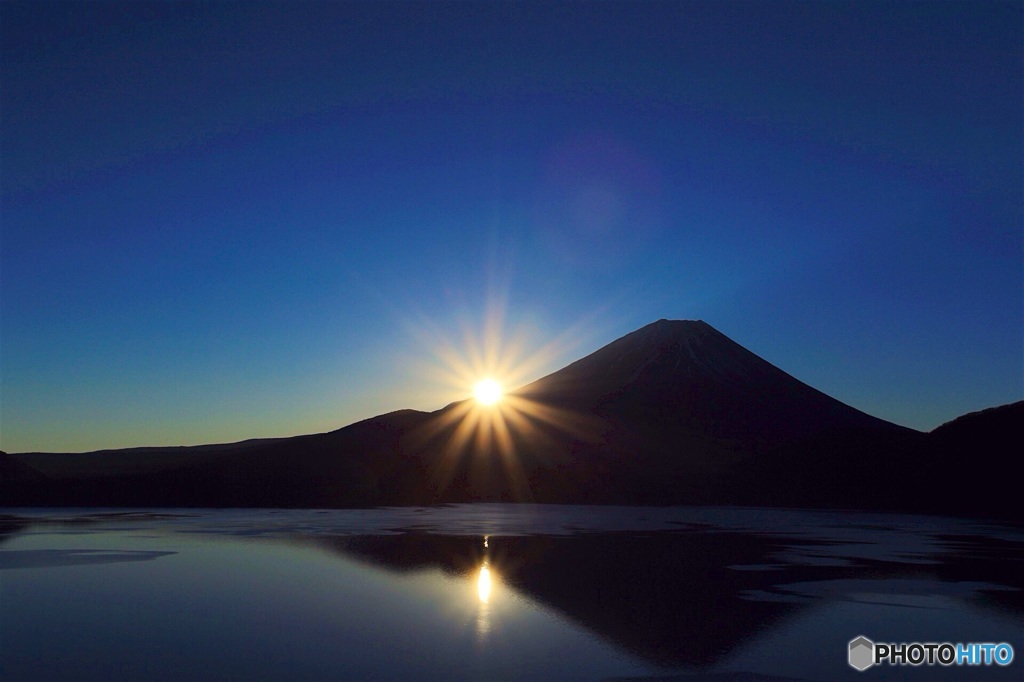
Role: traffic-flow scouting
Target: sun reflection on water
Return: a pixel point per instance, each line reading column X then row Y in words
column 483, row 584
column 485, row 580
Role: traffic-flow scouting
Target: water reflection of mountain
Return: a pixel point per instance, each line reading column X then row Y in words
column 677, row 598
column 725, row 580
column 668, row 597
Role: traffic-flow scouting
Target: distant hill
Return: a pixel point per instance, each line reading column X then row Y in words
column 102, row 463
column 673, row 413
column 994, row 428
column 347, row 467
column 14, row 470
column 970, row 462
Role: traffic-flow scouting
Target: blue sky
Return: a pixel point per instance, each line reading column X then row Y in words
column 231, row 220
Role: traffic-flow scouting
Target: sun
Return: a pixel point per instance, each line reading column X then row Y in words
column 487, row 392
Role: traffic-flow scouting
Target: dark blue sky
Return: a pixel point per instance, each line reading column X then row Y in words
column 228, row 220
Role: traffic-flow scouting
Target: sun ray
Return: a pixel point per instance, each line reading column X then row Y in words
column 496, row 434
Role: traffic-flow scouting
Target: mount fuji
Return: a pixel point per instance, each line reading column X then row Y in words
column 672, row 413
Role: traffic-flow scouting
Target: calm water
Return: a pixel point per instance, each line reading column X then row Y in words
column 496, row 592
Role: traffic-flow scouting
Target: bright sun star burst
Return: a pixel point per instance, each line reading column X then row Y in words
column 487, row 391
column 482, row 438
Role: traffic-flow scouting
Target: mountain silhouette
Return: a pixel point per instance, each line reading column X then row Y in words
column 13, row 470
column 969, row 459
column 686, row 380
column 661, row 415
column 673, row 413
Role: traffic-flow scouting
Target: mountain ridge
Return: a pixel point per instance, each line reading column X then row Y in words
column 672, row 413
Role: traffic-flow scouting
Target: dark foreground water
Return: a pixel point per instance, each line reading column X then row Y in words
column 496, row 592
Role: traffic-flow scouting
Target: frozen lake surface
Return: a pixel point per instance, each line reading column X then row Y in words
column 493, row 591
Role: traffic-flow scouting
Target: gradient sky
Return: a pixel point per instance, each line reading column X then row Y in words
column 233, row 219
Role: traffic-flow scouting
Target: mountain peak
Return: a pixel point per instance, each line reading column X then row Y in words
column 691, row 373
column 672, row 330
column 657, row 351
column 677, row 326
column 664, row 346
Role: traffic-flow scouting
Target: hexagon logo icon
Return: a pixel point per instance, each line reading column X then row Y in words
column 862, row 653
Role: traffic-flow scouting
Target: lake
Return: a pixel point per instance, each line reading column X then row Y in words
column 494, row 592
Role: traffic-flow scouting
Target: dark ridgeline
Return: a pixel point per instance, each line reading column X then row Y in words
column 673, row 413
column 13, row 470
